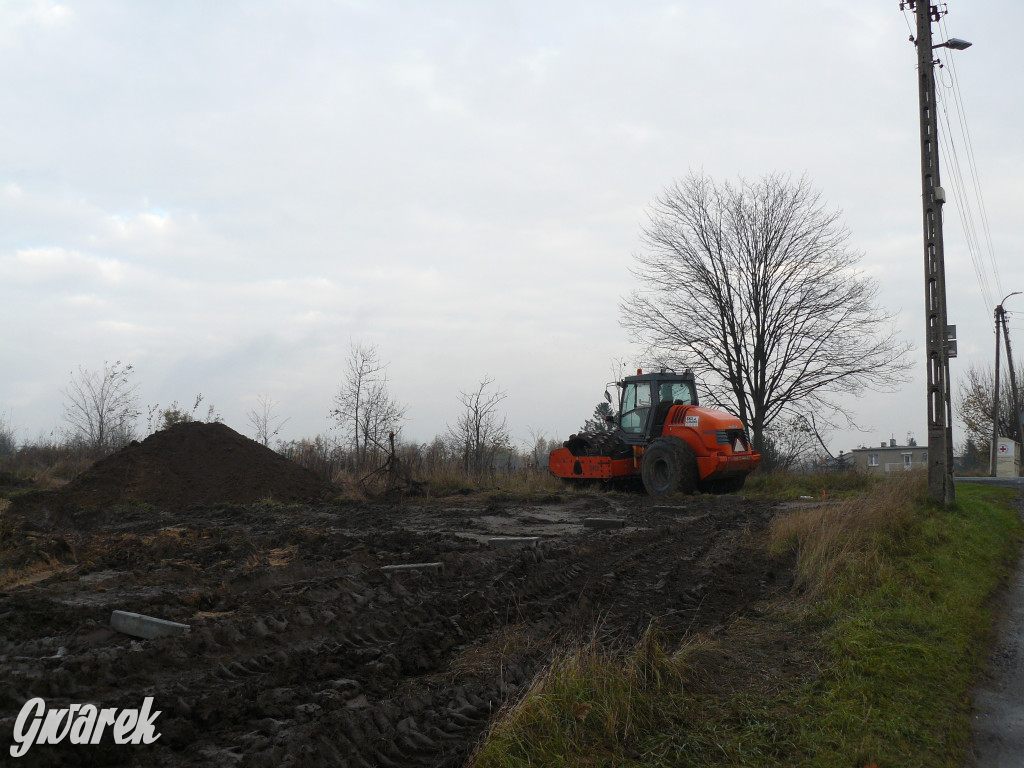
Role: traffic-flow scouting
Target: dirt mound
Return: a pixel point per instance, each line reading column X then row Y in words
column 192, row 464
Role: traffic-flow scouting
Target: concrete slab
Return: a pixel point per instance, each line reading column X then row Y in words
column 604, row 522
column 514, row 541
column 146, row 627
column 413, row 567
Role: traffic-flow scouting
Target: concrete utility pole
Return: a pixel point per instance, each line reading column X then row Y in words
column 940, row 409
column 1017, row 413
column 1013, row 374
column 995, row 401
column 1000, row 314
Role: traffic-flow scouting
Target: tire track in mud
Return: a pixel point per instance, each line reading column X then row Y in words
column 327, row 660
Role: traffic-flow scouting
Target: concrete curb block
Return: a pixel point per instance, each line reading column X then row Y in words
column 413, row 567
column 146, row 627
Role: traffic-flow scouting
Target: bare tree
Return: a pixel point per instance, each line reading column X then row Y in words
column 264, row 420
column 537, row 450
column 788, row 444
column 100, row 407
column 8, row 442
column 753, row 287
column 364, row 406
column 322, row 455
column 480, row 431
column 975, row 397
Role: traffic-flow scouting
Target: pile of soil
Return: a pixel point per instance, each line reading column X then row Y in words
column 191, row 464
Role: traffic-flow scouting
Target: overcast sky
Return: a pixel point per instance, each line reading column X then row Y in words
column 228, row 194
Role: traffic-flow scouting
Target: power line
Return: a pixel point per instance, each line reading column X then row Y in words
column 958, row 187
column 963, row 206
column 976, row 177
column 906, row 18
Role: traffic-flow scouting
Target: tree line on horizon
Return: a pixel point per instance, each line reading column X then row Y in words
column 101, row 414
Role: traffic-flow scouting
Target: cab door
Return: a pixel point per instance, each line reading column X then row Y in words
column 635, row 410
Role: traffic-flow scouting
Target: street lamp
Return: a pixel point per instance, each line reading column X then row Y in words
column 954, row 43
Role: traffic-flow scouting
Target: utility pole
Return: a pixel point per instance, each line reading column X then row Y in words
column 1016, row 414
column 995, row 401
column 940, row 408
column 1013, row 375
column 1018, row 411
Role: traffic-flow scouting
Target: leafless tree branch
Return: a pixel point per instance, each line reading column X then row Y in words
column 753, row 287
column 264, row 420
column 480, row 430
column 100, row 407
column 363, row 403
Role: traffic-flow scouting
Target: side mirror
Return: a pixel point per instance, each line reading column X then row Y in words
column 607, row 396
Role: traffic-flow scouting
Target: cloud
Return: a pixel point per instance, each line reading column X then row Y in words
column 228, row 194
column 50, row 265
column 16, row 15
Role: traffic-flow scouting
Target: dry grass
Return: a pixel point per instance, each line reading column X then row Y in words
column 48, row 465
column 169, row 543
column 32, row 574
column 509, row 644
column 843, row 537
column 27, row 557
column 447, row 483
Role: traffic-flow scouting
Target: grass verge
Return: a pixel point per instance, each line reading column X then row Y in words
column 786, row 486
column 870, row 664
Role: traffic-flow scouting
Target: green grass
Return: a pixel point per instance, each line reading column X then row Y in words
column 871, row 663
column 904, row 652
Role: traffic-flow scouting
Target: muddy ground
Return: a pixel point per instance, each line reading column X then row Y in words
column 303, row 651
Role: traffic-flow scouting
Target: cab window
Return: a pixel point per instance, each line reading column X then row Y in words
column 636, row 404
column 675, row 392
